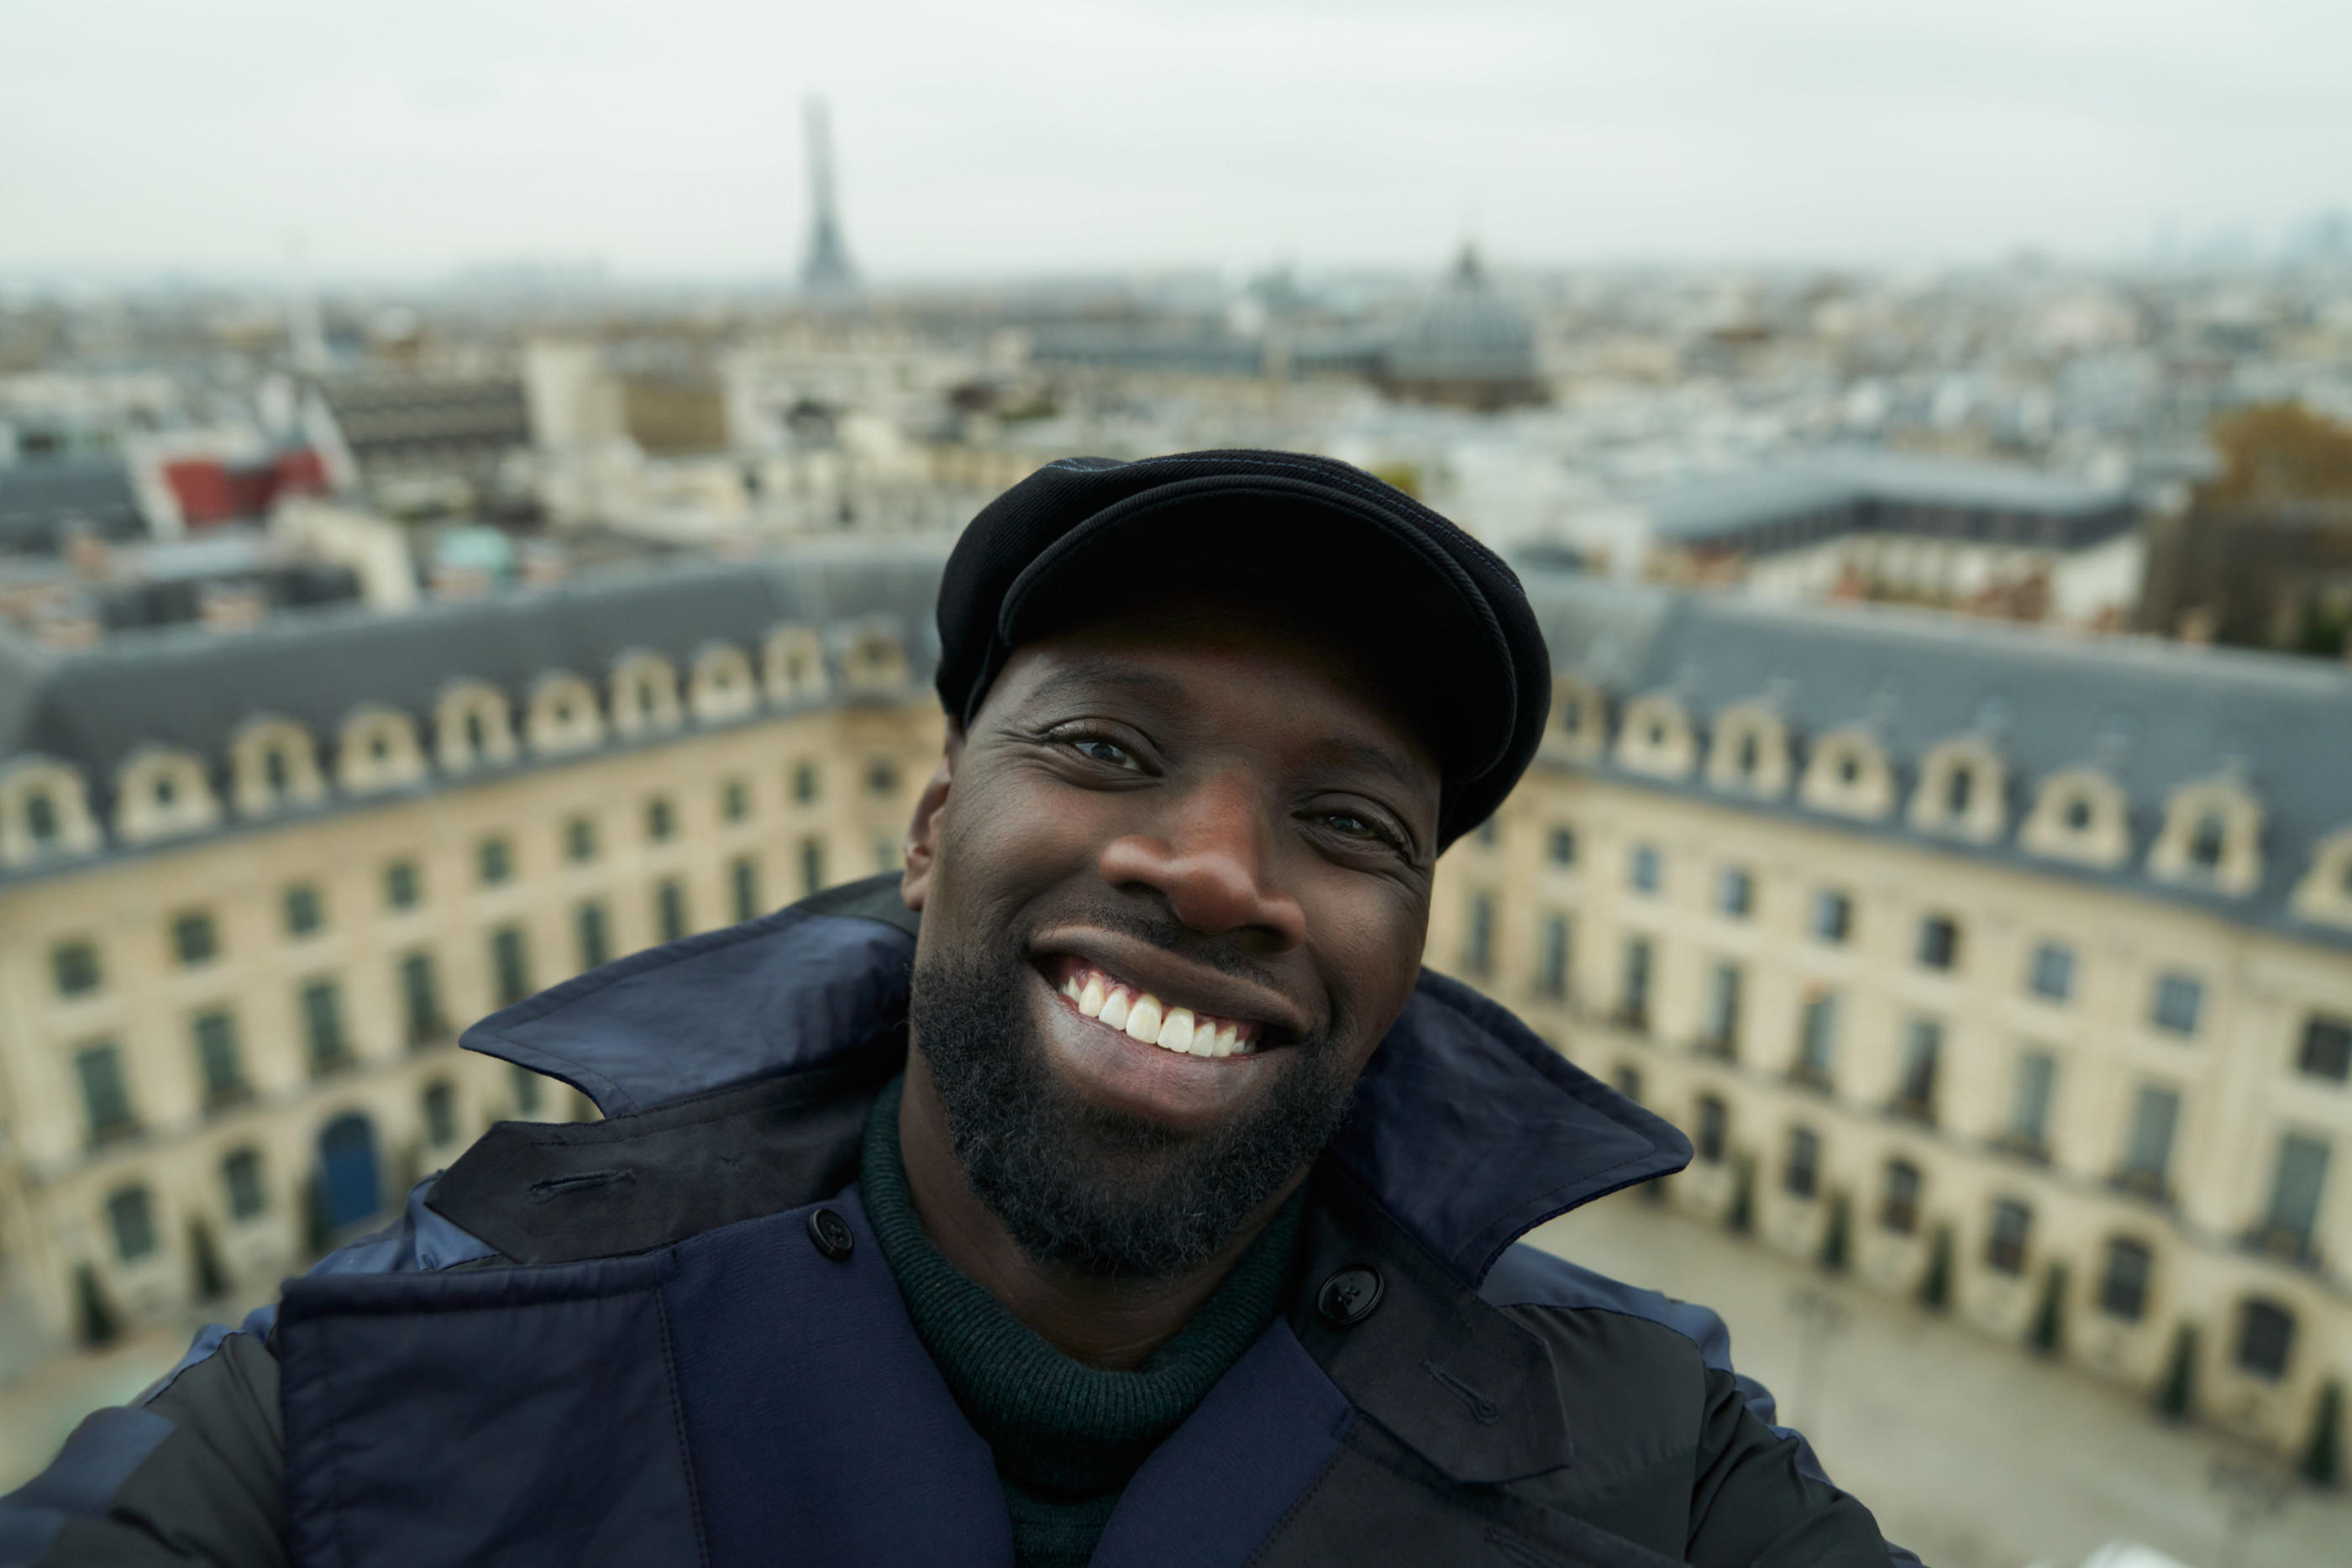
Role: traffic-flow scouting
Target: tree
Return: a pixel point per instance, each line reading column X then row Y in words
column 2275, row 452
column 1837, row 1235
column 2049, row 1334
column 211, row 1282
column 1936, row 1284
column 1741, row 1217
column 97, row 1323
column 2176, row 1397
column 2323, row 1456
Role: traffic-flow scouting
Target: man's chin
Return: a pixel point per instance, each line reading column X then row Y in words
column 1093, row 1156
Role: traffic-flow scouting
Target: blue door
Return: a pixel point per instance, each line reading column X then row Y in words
column 347, row 1164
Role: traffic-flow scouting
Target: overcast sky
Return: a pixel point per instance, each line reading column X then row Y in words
column 663, row 137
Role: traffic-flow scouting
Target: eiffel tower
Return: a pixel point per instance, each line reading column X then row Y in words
column 825, row 271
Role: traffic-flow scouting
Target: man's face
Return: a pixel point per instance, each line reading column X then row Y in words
column 1196, row 816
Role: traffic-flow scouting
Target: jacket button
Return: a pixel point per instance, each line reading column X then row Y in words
column 1348, row 1297
column 831, row 1233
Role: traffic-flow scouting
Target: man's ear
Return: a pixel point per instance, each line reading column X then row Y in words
column 923, row 833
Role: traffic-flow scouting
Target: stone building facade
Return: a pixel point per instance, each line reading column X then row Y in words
column 2007, row 972
column 252, row 887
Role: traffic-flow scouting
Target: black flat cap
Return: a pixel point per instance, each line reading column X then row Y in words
column 1444, row 617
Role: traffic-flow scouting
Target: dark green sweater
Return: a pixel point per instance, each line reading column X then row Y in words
column 1068, row 1436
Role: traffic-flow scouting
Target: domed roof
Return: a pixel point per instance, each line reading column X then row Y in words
column 1466, row 332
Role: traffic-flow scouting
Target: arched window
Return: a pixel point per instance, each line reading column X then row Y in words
column 1657, row 738
column 1714, row 1129
column 2212, row 835
column 40, row 818
column 2078, row 814
column 793, row 664
column 1899, row 1209
column 2123, row 1284
column 2265, row 1338
column 1958, row 786
column 2207, row 842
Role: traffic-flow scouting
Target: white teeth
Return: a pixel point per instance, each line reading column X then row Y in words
column 1146, row 1019
column 1176, row 1029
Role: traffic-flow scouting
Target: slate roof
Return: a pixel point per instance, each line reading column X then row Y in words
column 39, row 499
column 191, row 688
column 2151, row 715
column 1862, row 489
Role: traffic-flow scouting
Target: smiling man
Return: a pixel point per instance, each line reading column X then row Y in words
column 1112, row 1188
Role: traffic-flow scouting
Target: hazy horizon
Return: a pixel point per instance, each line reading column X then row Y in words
column 1044, row 138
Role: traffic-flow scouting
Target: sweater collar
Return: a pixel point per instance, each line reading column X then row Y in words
column 1058, row 1426
column 1467, row 1129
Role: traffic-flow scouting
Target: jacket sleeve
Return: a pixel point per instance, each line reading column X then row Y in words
column 1760, row 1500
column 194, row 1470
column 194, row 1473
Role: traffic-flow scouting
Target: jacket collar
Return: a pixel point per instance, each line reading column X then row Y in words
column 1468, row 1130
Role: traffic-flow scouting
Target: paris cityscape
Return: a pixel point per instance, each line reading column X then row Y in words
column 1944, row 817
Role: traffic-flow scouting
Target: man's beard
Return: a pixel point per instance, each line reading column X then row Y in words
column 1105, row 1194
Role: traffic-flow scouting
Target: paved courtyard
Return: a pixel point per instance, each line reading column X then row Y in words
column 1973, row 1454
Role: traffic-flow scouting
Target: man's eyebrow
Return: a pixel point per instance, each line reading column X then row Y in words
column 1371, row 755
column 1083, row 676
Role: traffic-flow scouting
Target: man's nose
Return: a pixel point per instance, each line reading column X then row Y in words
column 1212, row 858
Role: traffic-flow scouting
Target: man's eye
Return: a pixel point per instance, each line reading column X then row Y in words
column 1104, row 751
column 1355, row 825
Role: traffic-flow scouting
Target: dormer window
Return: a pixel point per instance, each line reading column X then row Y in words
column 1849, row 775
column 644, row 695
column 563, row 717
column 875, row 662
column 472, row 728
column 2206, row 844
column 42, row 813
column 162, row 792
column 2079, row 815
column 721, row 687
column 1657, row 738
column 1960, row 790
column 271, row 766
column 378, row 751
column 2212, row 836
column 793, row 666
column 1579, row 714
column 2326, row 892
column 1750, row 753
